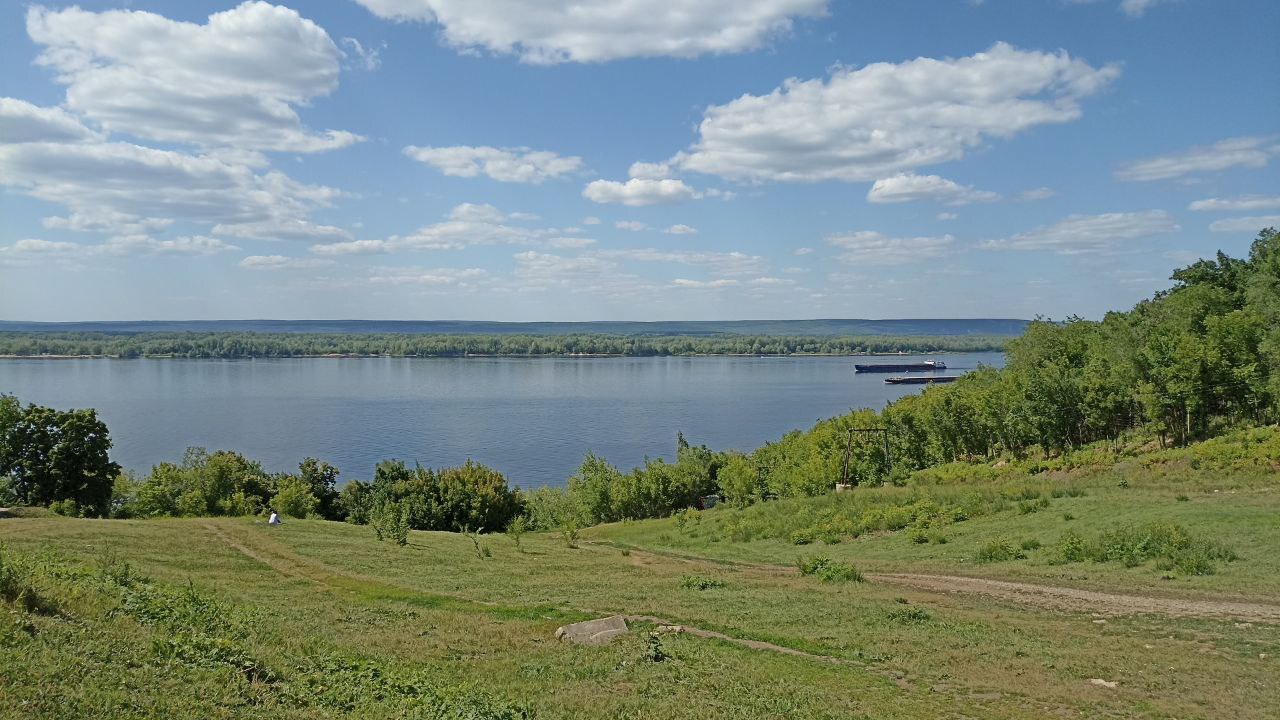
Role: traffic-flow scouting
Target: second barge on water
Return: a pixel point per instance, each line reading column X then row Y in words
column 921, row 379
column 926, row 366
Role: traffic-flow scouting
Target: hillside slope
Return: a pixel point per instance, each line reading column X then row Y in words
column 232, row 618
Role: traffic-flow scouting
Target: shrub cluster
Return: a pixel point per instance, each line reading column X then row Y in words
column 400, row 498
column 598, row 492
column 1171, row 545
column 923, row 511
column 227, row 483
column 828, row 570
column 700, row 582
column 1000, row 550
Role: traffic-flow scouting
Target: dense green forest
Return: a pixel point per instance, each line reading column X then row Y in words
column 231, row 345
column 1196, row 359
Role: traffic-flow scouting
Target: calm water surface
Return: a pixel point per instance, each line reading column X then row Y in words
column 533, row 419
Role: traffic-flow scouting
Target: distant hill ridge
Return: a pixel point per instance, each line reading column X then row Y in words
column 903, row 327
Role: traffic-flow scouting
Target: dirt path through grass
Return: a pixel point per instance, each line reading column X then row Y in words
column 1049, row 597
column 1073, row 599
column 324, row 575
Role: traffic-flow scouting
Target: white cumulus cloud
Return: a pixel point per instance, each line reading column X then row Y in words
column 24, row 252
column 719, row 263
column 639, row 191
column 234, row 81
column 282, row 229
column 281, row 262
column 704, row 284
column 556, row 31
column 1136, row 8
column 513, row 165
column 116, row 187
column 868, row 247
column 1250, row 225
column 1249, row 152
column 885, row 118
column 1242, row 203
column 22, row 122
column 1082, row 234
column 907, row 187
column 1132, row 8
column 467, row 225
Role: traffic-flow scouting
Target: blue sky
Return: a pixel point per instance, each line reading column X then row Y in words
column 722, row 159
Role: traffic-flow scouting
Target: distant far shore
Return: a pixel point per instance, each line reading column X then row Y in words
column 479, row 356
column 230, row 345
column 906, row 327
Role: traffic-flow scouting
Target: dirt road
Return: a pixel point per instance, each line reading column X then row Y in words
column 1073, row 599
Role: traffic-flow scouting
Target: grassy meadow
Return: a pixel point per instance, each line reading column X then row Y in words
column 228, row 617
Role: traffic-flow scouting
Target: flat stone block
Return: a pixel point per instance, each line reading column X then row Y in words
column 593, row 632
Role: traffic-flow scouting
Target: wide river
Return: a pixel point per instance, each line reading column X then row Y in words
column 533, row 419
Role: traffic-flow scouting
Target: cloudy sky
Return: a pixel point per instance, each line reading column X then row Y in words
column 653, row 159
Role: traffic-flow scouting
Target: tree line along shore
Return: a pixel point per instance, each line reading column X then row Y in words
column 238, row 345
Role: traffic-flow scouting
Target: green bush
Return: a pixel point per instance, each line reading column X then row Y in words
column 241, row 504
column 700, row 582
column 549, row 508
column 741, row 482
column 1170, row 544
column 390, row 521
column 569, row 534
column 908, row 615
column 1026, row 507
column 516, row 530
column 802, row 537
column 828, row 570
column 1000, row 550
column 204, row 483
column 468, row 496
column 1072, row 547
column 67, row 508
column 294, row 498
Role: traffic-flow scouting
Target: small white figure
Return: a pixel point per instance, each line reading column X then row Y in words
column 274, row 519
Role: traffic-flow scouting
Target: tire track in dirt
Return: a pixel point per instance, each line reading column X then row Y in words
column 273, row 563
column 1076, row 600
column 1046, row 597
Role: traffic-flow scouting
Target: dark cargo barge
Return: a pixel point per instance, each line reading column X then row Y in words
column 926, row 366
column 921, row 379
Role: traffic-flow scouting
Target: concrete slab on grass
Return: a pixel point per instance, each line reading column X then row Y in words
column 593, row 632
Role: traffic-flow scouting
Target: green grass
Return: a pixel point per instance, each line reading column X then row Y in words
column 231, row 618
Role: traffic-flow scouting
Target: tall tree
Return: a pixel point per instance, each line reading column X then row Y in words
column 54, row 455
